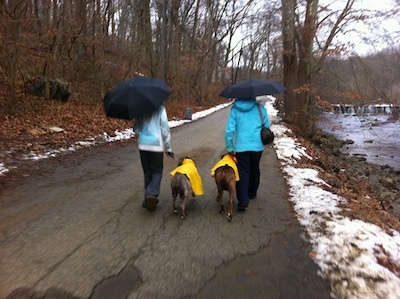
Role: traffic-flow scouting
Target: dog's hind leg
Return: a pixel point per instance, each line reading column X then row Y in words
column 185, row 193
column 185, row 199
column 230, row 206
column 220, row 199
column 231, row 190
column 174, row 196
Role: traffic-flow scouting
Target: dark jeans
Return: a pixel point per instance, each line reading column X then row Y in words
column 152, row 164
column 249, row 171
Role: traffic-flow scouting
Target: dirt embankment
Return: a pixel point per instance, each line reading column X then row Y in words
column 371, row 190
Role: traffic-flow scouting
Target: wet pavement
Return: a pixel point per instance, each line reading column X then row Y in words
column 77, row 229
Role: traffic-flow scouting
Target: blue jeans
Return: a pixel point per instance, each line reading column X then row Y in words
column 249, row 172
column 152, row 164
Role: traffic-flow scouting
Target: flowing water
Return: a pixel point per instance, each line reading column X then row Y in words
column 375, row 136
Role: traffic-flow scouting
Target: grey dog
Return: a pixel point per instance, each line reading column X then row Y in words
column 180, row 185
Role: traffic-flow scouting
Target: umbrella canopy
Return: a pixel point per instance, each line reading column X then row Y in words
column 252, row 88
column 135, row 97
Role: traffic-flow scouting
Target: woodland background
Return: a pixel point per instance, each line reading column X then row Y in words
column 197, row 46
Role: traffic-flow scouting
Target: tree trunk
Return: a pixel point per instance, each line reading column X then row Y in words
column 195, row 24
column 164, row 40
column 289, row 59
column 304, row 97
column 145, row 35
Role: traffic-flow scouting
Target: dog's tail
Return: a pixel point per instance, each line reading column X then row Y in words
column 227, row 171
column 226, row 168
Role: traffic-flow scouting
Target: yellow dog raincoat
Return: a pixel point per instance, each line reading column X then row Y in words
column 188, row 168
column 226, row 160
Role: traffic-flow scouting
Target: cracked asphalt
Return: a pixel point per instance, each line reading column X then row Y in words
column 76, row 229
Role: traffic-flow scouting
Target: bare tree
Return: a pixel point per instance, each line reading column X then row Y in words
column 12, row 17
column 262, row 40
column 289, row 55
column 303, row 54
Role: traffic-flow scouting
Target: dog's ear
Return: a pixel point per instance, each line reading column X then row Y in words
column 189, row 159
column 180, row 160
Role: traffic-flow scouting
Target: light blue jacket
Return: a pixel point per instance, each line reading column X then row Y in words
column 242, row 132
column 154, row 132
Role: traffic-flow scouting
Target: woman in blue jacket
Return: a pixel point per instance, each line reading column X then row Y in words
column 154, row 139
column 242, row 137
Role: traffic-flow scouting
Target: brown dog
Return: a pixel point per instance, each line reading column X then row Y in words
column 225, row 175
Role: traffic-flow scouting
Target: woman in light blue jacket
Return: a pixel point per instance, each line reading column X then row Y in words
column 154, row 139
column 242, row 137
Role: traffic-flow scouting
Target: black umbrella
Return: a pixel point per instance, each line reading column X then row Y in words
column 135, row 97
column 252, row 88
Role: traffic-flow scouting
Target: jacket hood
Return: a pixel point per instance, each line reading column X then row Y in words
column 244, row 104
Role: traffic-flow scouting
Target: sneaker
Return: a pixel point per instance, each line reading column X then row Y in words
column 151, row 203
column 144, row 204
column 252, row 196
column 241, row 208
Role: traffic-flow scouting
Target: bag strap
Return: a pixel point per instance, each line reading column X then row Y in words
column 259, row 111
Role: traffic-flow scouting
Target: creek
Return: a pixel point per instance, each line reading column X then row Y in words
column 371, row 132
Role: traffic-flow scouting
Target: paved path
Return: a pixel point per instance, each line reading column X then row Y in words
column 77, row 230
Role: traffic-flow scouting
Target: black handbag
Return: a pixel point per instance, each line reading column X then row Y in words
column 267, row 136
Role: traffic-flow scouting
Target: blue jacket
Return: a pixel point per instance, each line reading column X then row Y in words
column 154, row 132
column 242, row 132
